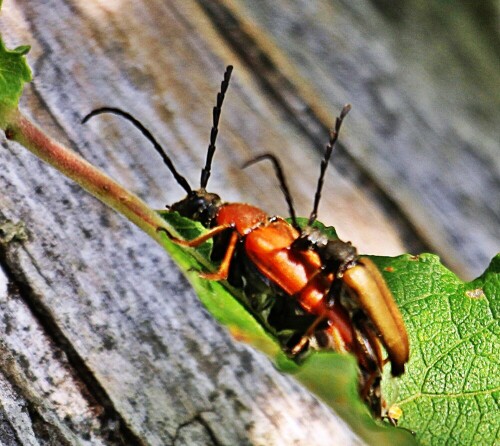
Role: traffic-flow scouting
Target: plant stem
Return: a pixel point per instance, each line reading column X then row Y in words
column 23, row 131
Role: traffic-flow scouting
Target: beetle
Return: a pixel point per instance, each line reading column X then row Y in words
column 200, row 205
column 299, row 273
column 235, row 224
column 361, row 278
column 355, row 284
column 340, row 264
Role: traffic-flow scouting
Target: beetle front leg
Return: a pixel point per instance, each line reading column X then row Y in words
column 194, row 243
column 223, row 270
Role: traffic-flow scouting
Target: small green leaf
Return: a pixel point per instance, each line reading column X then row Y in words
column 14, row 72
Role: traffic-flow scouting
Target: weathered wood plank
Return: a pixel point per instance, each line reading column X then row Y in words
column 423, row 81
column 38, row 386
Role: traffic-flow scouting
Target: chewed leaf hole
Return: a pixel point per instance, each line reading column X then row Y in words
column 478, row 293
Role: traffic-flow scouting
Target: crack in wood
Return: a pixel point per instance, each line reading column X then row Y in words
column 92, row 390
column 198, row 418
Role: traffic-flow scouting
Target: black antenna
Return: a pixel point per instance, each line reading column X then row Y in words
column 282, row 180
column 205, row 173
column 334, row 134
column 116, row 111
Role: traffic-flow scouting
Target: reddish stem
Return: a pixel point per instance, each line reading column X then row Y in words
column 85, row 174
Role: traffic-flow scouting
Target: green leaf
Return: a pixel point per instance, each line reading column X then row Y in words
column 331, row 376
column 14, row 72
column 451, row 391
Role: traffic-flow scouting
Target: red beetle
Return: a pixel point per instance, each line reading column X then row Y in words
column 288, row 257
column 354, row 283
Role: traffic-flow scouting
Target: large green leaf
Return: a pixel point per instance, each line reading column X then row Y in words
column 450, row 394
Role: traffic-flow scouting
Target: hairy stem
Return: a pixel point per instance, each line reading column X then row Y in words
column 23, row 131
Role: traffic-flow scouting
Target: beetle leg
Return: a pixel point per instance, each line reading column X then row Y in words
column 198, row 240
column 334, row 292
column 368, row 383
column 305, row 337
column 223, row 271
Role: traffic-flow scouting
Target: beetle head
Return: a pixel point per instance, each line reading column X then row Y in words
column 336, row 255
column 199, row 205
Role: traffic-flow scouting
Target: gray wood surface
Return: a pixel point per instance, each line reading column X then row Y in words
column 102, row 341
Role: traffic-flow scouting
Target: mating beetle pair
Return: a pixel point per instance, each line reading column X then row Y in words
column 345, row 298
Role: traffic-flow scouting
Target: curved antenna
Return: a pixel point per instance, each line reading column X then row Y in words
column 166, row 159
column 205, row 172
column 282, row 180
column 334, row 134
